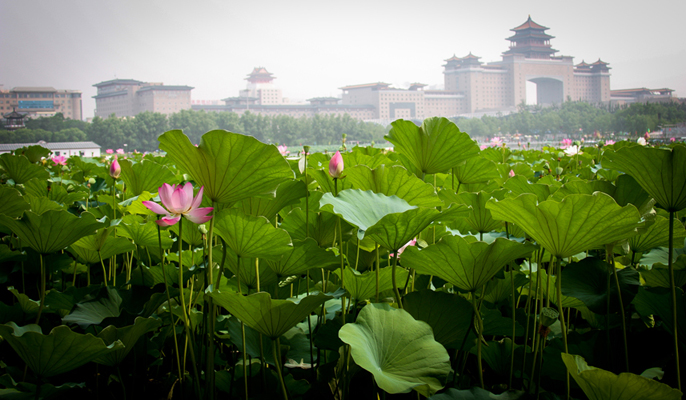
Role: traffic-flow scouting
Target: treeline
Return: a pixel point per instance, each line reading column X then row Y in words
column 140, row 133
column 575, row 118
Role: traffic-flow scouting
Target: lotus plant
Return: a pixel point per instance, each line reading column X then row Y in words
column 60, row 160
column 336, row 166
column 115, row 168
column 283, row 149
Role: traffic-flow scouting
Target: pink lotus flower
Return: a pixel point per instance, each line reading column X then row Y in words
column 566, row 143
column 647, row 136
column 496, row 142
column 120, row 151
column 283, row 149
column 179, row 201
column 609, row 142
column 115, row 168
column 512, row 173
column 410, row 243
column 483, row 146
column 336, row 165
column 672, row 140
column 109, row 151
column 60, row 160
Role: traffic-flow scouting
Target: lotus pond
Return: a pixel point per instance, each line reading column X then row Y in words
column 437, row 270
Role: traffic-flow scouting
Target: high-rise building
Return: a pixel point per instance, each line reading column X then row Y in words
column 37, row 102
column 128, row 97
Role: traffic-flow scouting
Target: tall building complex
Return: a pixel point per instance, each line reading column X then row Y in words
column 35, row 102
column 128, row 97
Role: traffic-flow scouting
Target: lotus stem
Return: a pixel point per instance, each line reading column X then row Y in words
column 209, row 367
column 245, row 354
column 104, row 270
column 672, row 286
column 42, row 288
column 378, row 265
column 479, row 327
column 171, row 313
column 277, row 360
column 562, row 316
column 514, row 326
column 611, row 261
column 395, row 286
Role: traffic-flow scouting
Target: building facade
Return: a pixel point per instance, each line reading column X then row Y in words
column 35, row 102
column 128, row 97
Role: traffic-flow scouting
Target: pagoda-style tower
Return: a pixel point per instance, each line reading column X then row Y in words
column 260, row 75
column 259, row 90
column 531, row 40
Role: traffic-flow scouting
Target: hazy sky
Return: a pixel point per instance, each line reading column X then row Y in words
column 315, row 47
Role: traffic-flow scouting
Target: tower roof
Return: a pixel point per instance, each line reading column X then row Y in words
column 529, row 24
column 260, row 74
column 453, row 58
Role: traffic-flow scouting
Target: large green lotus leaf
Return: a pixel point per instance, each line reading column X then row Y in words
column 518, row 184
column 92, row 312
column 475, row 170
column 548, row 289
column 357, row 157
column 661, row 172
column 363, row 208
column 271, row 318
column 230, row 166
column 87, row 166
column 250, row 236
column 13, row 203
column 34, row 153
column 393, row 180
column 134, row 205
column 497, row 355
column 60, row 194
column 21, row 170
column 40, row 205
column 578, row 223
column 322, row 226
column 145, row 176
column 480, row 218
column 288, row 193
column 51, row 231
column 102, row 242
column 60, row 351
column 658, row 274
column 393, row 231
column 27, row 305
column 658, row 302
column 628, row 191
column 191, row 234
column 449, row 315
column 6, row 254
column 599, row 384
column 466, row 265
column 128, row 336
column 362, row 286
column 436, row 146
column 656, row 235
column 325, row 181
column 248, row 274
column 305, row 255
column 398, row 350
column 476, row 393
column 144, row 234
column 587, row 281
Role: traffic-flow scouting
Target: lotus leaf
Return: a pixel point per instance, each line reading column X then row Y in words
column 145, row 176
column 231, row 167
column 13, row 203
column 51, row 231
column 271, row 318
column 305, row 255
column 393, row 180
column 250, row 236
column 21, row 170
column 363, row 286
column 466, row 265
column 128, row 336
column 60, row 351
column 288, row 193
column 449, row 315
column 578, row 223
column 398, row 350
column 599, row 384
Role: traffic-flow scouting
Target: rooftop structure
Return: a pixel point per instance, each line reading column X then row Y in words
column 84, row 149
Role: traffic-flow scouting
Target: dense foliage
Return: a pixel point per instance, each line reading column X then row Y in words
column 438, row 270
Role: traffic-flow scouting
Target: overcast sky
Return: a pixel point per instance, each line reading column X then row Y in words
column 315, row 47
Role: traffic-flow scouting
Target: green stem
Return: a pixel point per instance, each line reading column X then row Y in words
column 277, row 361
column 395, row 286
column 209, row 366
column 42, row 288
column 562, row 315
column 104, row 271
column 245, row 354
column 171, row 314
column 672, row 286
column 611, row 261
column 377, row 271
column 478, row 325
column 514, row 327
column 186, row 322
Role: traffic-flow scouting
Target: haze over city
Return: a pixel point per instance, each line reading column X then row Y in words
column 313, row 47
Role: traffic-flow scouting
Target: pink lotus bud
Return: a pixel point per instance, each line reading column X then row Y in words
column 120, row 151
column 336, row 165
column 672, row 140
column 115, row 169
column 512, row 173
column 109, row 151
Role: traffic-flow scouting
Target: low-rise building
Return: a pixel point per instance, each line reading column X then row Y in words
column 35, row 102
column 83, row 149
column 128, row 97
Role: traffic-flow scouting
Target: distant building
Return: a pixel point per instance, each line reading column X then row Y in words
column 35, row 102
column 641, row 95
column 128, row 97
column 262, row 96
column 84, row 149
column 13, row 121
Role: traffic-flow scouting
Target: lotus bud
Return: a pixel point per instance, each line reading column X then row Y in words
column 512, row 173
column 576, row 143
column 336, row 165
column 91, row 181
column 202, row 229
column 548, row 316
column 115, row 169
column 559, row 171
